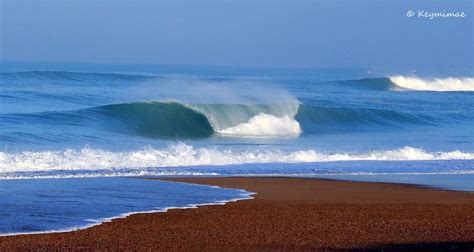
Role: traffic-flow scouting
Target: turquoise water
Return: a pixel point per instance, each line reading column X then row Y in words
column 60, row 120
column 70, row 133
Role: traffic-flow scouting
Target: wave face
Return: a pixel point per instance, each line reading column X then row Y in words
column 325, row 118
column 375, row 84
column 446, row 84
column 159, row 119
column 177, row 155
column 177, row 120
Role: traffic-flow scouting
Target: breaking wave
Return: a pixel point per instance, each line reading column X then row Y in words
column 254, row 120
column 264, row 124
column 403, row 83
column 395, row 82
column 181, row 154
column 437, row 84
column 177, row 120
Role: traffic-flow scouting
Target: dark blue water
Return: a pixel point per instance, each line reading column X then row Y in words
column 45, row 205
column 117, row 120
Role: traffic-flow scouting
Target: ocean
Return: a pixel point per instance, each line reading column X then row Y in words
column 60, row 121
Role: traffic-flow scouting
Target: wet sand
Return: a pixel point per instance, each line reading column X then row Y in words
column 286, row 214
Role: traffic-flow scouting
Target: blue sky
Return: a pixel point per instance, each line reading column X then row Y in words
column 317, row 34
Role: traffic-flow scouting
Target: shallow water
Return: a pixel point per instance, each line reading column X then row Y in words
column 459, row 182
column 45, row 205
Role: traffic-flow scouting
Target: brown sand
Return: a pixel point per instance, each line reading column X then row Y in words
column 286, row 214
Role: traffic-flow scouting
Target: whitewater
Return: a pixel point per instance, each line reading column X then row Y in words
column 58, row 123
column 434, row 84
column 186, row 155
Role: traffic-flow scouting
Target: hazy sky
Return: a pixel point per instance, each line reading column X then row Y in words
column 367, row 34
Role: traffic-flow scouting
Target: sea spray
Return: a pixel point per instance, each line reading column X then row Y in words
column 236, row 107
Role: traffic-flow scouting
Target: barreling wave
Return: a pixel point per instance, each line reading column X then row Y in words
column 182, row 155
column 252, row 119
column 180, row 120
column 177, row 120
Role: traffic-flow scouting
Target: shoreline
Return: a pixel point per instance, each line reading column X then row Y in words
column 126, row 215
column 286, row 213
column 303, row 177
column 246, row 195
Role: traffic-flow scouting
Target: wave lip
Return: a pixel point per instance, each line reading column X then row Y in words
column 252, row 120
column 437, row 84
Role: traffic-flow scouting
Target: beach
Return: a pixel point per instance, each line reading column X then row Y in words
column 236, row 125
column 286, row 214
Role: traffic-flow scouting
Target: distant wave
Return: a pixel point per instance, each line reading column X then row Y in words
column 177, row 155
column 72, row 76
column 394, row 83
column 376, row 84
column 446, row 84
column 402, row 83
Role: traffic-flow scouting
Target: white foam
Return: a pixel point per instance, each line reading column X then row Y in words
column 437, row 84
column 265, row 125
column 177, row 155
column 253, row 120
